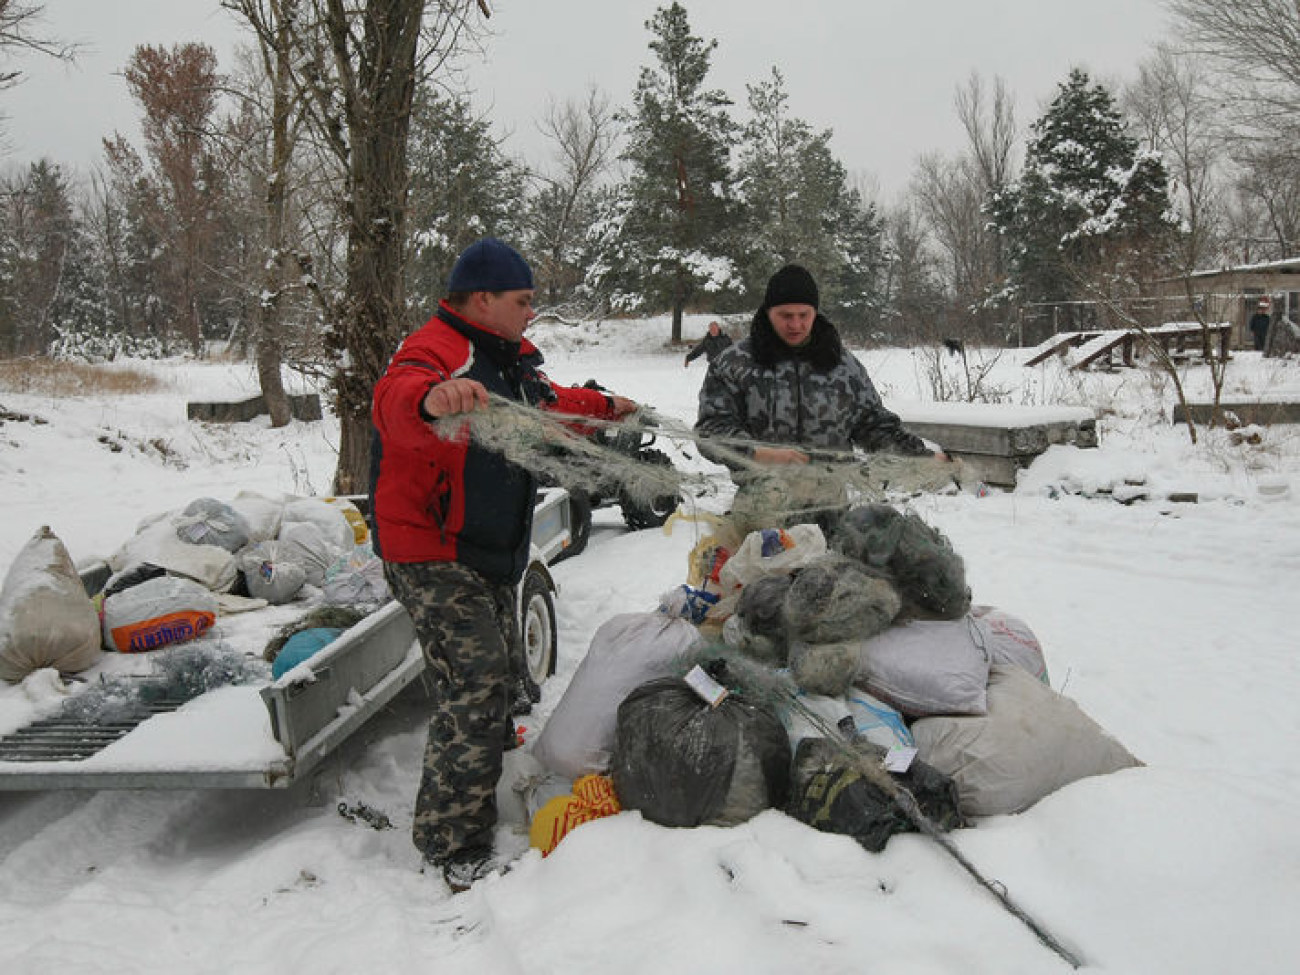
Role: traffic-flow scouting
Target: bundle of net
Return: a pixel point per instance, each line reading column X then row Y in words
column 884, row 568
column 929, row 574
column 178, row 674
column 822, row 490
column 557, row 448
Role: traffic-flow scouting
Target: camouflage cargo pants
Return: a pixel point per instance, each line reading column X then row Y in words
column 466, row 626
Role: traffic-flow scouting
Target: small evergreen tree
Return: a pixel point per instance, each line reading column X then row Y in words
column 798, row 207
column 38, row 227
column 1090, row 213
column 463, row 187
column 667, row 237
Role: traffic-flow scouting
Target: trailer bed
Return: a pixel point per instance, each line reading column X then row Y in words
column 263, row 735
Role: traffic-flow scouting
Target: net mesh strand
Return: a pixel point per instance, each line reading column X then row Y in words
column 546, row 443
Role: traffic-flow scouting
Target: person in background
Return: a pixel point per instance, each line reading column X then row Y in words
column 1259, row 323
column 453, row 522
column 792, row 386
column 714, row 341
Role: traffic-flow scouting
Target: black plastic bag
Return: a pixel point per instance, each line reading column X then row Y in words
column 830, row 793
column 682, row 762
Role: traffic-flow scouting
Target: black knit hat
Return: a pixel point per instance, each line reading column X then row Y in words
column 792, row 285
column 490, row 265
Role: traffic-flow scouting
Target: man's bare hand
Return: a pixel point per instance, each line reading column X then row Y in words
column 779, row 455
column 455, row 396
column 622, row 406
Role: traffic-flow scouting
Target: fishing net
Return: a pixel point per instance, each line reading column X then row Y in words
column 760, row 614
column 929, row 574
column 555, row 447
column 178, row 674
column 837, row 598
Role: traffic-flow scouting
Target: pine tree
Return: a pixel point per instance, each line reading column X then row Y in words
column 38, row 224
column 667, row 237
column 798, row 207
column 463, row 187
column 1090, row 212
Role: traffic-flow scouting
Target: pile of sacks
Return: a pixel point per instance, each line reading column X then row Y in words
column 178, row 572
column 865, row 646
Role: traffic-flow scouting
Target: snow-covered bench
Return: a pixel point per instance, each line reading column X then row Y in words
column 997, row 440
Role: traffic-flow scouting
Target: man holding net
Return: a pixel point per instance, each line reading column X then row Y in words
column 791, row 390
column 453, row 521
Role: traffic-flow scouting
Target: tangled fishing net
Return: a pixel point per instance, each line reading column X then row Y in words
column 555, row 447
column 179, row 674
column 929, row 574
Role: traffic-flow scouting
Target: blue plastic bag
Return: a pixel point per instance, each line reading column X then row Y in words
column 301, row 646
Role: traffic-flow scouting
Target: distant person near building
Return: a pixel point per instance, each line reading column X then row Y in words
column 1259, row 323
column 714, row 341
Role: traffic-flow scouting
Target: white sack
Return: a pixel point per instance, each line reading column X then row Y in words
column 329, row 518
column 156, row 542
column 262, row 514
column 927, row 667
column 312, row 546
column 156, row 613
column 1031, row 742
column 1009, row 640
column 271, row 571
column 46, row 618
column 625, row 652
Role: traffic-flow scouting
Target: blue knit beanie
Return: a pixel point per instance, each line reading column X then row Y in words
column 490, row 265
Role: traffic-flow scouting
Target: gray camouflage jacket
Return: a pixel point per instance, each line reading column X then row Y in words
column 817, row 395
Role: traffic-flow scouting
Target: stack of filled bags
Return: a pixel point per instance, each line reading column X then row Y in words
column 178, row 572
column 871, row 648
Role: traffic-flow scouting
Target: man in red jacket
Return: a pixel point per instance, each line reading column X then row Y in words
column 453, row 522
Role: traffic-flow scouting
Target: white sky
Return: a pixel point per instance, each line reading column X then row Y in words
column 882, row 75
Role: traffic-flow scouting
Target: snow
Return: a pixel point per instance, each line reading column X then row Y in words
column 1171, row 624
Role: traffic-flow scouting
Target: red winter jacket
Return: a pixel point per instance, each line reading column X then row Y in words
column 439, row 500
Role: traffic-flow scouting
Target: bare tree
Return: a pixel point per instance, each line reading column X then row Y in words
column 1254, row 48
column 355, row 65
column 582, row 135
column 952, row 194
column 280, row 120
column 20, row 31
column 989, row 121
column 910, row 292
column 1257, row 44
column 1176, row 113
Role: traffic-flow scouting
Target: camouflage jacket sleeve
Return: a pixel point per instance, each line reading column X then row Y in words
column 879, row 429
column 722, row 411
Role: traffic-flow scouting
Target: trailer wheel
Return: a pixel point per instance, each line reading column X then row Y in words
column 537, row 626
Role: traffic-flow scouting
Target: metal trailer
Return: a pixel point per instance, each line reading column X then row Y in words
column 309, row 716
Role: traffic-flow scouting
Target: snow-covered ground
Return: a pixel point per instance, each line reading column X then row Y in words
column 1170, row 623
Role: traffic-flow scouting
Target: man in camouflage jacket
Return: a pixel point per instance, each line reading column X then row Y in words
column 792, row 385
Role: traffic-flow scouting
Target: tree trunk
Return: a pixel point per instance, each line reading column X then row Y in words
column 373, row 315
column 270, row 352
column 679, row 306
